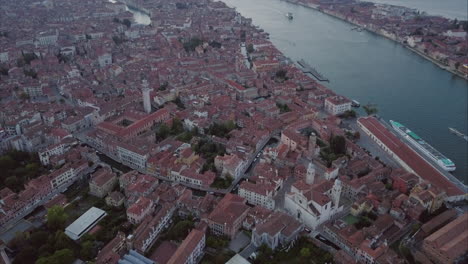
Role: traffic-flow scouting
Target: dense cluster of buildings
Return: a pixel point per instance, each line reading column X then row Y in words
column 184, row 104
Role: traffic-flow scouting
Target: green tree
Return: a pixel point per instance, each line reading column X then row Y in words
column 64, row 256
column 28, row 57
column 177, row 126
column 162, row 132
column 56, row 217
column 4, row 70
column 180, row 230
column 250, row 48
column 39, row 238
column 370, row 109
column 19, row 241
column 87, row 250
column 60, row 241
column 305, row 252
column 192, row 44
column 281, row 74
column 13, row 183
column 338, row 145
column 24, row 96
column 127, row 22
column 283, row 107
column 26, row 255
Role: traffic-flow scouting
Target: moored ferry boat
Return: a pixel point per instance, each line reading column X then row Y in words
column 422, row 145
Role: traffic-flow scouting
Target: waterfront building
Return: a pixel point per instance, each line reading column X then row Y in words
column 337, row 105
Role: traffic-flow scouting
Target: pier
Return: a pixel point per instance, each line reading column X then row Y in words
column 306, row 68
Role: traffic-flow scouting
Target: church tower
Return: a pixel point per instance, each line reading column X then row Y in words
column 310, row 176
column 336, row 192
column 146, row 97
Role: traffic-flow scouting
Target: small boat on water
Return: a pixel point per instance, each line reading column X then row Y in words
column 289, row 15
column 458, row 133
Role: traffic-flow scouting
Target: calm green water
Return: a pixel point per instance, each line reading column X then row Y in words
column 371, row 69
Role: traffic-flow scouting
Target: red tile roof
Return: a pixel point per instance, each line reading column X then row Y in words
column 187, row 247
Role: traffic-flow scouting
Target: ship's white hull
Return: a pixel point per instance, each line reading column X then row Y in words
column 423, row 150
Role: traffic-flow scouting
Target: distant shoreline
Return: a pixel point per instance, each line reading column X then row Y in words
column 425, row 56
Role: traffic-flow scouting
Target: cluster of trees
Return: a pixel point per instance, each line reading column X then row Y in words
column 353, row 136
column 304, row 251
column 18, row 168
column 221, row 129
column 24, row 96
column 176, row 129
column 217, row 242
column 47, row 245
column 163, row 86
column 208, row 150
column 118, row 40
column 281, row 75
column 283, row 108
column 348, row 114
column 222, row 183
column 4, row 70
column 335, row 149
column 180, row 230
column 179, row 103
column 243, row 36
column 370, row 109
column 365, row 220
column 125, row 22
column 192, row 44
column 30, row 72
column 164, row 131
column 26, row 59
column 63, row 58
column 215, row 44
column 250, row 48
column 181, row 5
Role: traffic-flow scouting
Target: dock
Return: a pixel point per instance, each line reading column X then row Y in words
column 306, row 68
